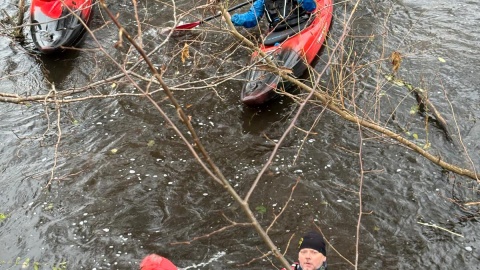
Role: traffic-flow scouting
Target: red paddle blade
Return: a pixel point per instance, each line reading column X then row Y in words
column 187, row 25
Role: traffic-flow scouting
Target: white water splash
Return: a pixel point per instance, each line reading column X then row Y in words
column 213, row 259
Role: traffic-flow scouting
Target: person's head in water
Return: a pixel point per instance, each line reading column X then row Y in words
column 312, row 254
column 156, row 262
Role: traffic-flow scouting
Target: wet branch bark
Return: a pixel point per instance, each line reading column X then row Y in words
column 423, row 101
column 18, row 33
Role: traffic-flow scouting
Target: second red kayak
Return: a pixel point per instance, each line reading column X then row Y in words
column 293, row 49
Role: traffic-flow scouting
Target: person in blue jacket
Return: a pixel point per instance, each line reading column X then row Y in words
column 280, row 13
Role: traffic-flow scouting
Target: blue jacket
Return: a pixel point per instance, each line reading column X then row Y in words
column 254, row 14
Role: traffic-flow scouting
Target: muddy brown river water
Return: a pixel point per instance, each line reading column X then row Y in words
column 124, row 184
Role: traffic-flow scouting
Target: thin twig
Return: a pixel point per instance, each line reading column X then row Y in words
column 438, row 227
column 284, row 206
column 208, row 235
column 332, row 247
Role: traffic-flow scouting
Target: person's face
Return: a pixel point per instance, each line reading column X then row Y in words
column 310, row 259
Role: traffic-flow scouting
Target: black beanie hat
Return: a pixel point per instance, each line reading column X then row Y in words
column 313, row 240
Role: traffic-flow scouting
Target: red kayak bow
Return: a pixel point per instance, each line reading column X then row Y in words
column 54, row 24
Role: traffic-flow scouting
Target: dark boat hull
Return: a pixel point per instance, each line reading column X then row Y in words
column 294, row 53
column 54, row 27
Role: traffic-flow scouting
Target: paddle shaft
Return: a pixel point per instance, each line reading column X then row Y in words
column 197, row 23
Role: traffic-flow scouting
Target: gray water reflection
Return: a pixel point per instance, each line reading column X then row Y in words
column 107, row 210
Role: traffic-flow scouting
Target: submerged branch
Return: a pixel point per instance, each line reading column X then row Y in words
column 423, row 101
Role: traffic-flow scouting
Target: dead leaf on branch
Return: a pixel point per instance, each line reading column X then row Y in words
column 185, row 52
column 396, row 59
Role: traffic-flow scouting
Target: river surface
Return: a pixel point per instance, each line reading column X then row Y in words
column 123, row 184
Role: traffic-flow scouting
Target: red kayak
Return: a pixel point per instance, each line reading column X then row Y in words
column 293, row 48
column 55, row 27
